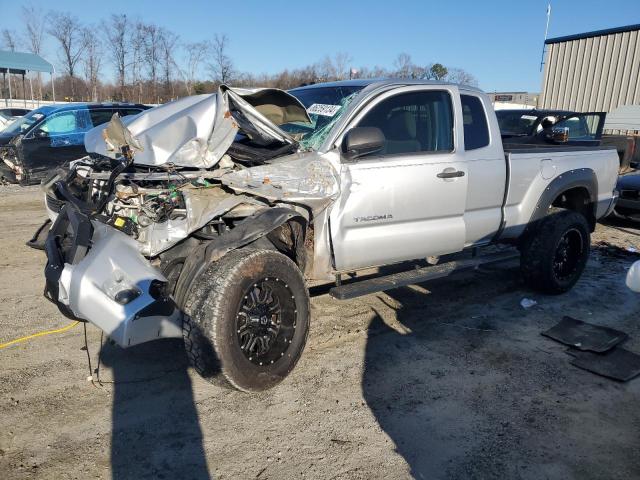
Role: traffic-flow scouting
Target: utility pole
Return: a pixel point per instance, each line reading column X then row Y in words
column 546, row 32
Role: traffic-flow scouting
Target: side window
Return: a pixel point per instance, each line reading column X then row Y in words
column 98, row 117
column 414, row 122
column 65, row 123
column 476, row 130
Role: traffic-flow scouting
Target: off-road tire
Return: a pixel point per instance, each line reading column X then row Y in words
column 212, row 309
column 539, row 251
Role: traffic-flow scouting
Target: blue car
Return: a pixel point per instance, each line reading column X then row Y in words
column 51, row 136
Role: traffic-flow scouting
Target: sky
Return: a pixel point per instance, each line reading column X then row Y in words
column 499, row 42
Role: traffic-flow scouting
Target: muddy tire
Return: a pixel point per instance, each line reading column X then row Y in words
column 554, row 256
column 247, row 320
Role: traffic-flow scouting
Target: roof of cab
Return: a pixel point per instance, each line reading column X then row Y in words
column 379, row 82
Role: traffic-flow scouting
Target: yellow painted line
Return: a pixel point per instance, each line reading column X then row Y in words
column 39, row 334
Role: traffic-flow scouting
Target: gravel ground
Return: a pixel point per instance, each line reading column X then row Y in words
column 449, row 379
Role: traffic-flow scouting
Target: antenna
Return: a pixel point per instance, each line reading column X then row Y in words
column 546, row 31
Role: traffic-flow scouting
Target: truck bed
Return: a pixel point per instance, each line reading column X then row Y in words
column 538, row 147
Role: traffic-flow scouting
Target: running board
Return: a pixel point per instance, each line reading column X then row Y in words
column 410, row 277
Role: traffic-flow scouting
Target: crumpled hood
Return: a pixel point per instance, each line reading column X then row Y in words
column 197, row 131
column 307, row 178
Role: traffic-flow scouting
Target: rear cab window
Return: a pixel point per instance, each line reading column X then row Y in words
column 474, row 120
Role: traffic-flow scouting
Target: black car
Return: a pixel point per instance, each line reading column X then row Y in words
column 628, row 204
column 51, row 136
column 8, row 115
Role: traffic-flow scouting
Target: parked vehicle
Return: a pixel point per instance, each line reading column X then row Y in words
column 628, row 204
column 51, row 136
column 571, row 128
column 625, row 120
column 9, row 115
column 551, row 126
column 205, row 218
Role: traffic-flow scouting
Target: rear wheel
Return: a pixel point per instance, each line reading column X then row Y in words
column 555, row 255
column 247, row 319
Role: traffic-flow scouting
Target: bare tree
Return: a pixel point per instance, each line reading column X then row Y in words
column 137, row 41
column 67, row 30
column 33, row 19
column 326, row 69
column 221, row 65
column 168, row 43
column 116, row 29
column 34, row 28
column 9, row 39
column 151, row 56
column 196, row 53
column 92, row 61
column 462, row 77
column 342, row 63
column 402, row 65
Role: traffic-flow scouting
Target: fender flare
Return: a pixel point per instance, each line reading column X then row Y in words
column 581, row 177
column 249, row 230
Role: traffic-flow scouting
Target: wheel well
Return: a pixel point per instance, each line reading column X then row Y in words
column 291, row 238
column 577, row 199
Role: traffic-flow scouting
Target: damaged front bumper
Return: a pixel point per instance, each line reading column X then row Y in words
column 96, row 273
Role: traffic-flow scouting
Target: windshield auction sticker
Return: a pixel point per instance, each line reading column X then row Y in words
column 323, row 109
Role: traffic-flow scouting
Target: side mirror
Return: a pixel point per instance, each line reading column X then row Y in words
column 39, row 133
column 360, row 141
column 560, row 135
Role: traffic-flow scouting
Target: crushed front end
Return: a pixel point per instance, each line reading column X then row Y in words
column 96, row 272
column 124, row 228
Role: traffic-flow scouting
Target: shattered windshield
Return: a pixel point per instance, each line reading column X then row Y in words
column 325, row 106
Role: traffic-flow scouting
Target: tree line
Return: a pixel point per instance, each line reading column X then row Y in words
column 152, row 64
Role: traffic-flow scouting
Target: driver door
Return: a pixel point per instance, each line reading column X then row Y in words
column 408, row 200
column 56, row 141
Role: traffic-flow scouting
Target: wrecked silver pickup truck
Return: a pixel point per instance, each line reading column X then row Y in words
column 206, row 217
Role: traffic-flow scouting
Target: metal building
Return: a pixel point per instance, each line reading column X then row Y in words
column 594, row 71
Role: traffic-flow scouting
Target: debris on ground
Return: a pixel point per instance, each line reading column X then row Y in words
column 585, row 336
column 527, row 303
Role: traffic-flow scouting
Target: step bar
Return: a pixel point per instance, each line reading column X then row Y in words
column 411, row 277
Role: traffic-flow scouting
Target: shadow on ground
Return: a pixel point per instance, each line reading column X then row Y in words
column 465, row 395
column 156, row 431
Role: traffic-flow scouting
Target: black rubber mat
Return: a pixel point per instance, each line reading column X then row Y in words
column 585, row 336
column 619, row 364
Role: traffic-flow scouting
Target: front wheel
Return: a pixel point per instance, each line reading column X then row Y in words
column 555, row 255
column 247, row 319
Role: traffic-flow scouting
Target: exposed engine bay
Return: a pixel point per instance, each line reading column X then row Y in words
column 195, row 166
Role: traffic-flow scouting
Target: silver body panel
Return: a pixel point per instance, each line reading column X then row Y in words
column 112, row 264
column 369, row 212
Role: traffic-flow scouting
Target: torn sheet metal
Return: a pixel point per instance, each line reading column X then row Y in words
column 305, row 178
column 197, row 131
column 202, row 206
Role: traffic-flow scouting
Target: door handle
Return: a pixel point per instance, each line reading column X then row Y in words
column 449, row 174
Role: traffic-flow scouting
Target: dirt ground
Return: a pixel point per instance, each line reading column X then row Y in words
column 449, row 379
